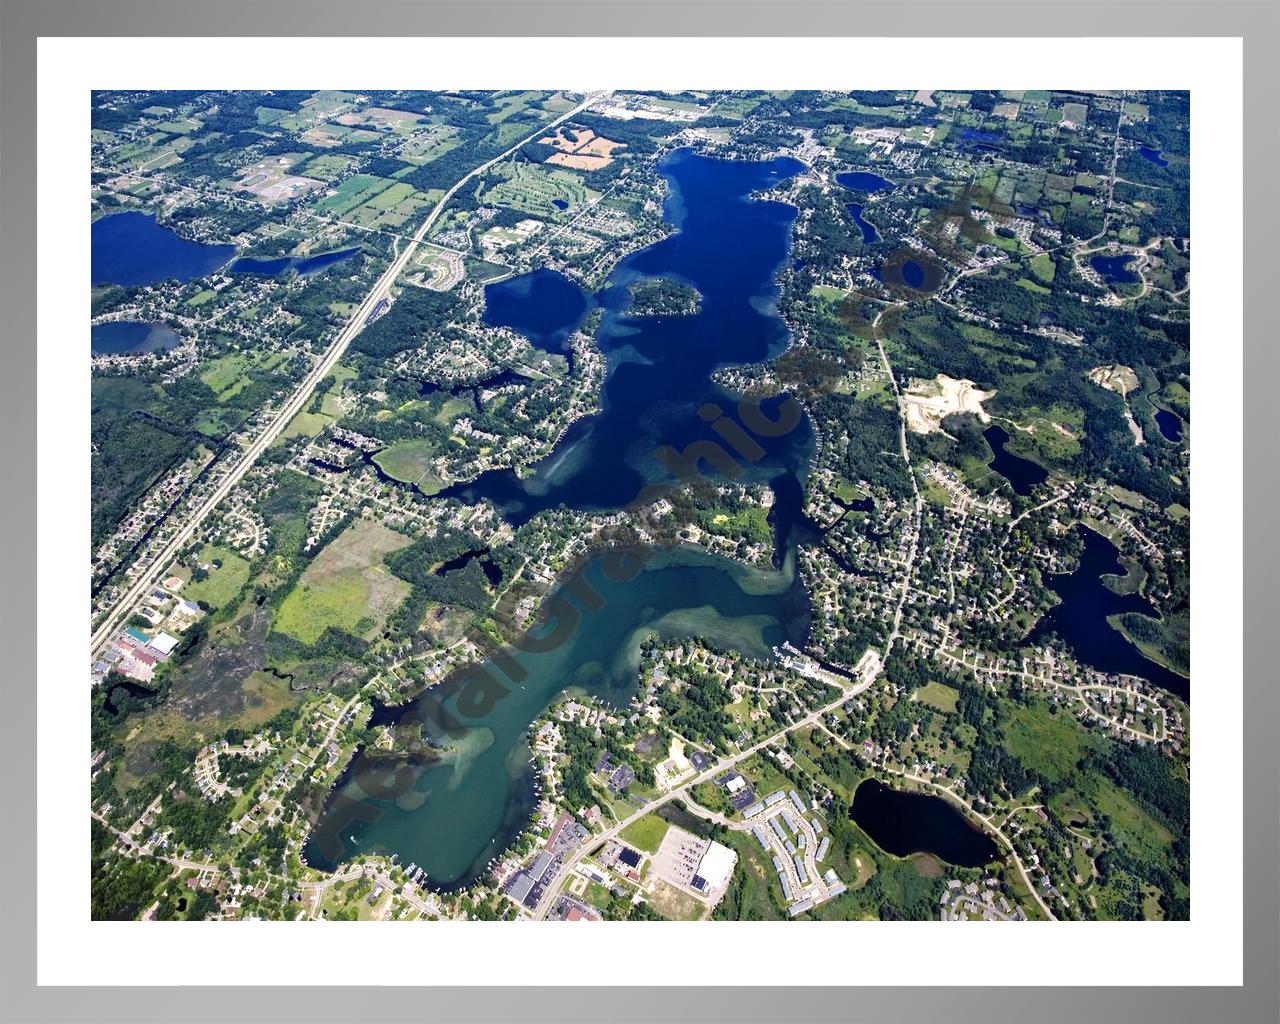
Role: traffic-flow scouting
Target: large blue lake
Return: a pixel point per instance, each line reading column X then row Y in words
column 659, row 368
column 904, row 823
column 132, row 249
column 130, row 337
column 1114, row 269
column 1080, row 620
column 863, row 181
column 455, row 815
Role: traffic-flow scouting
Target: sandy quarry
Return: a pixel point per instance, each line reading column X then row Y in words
column 929, row 402
column 1120, row 379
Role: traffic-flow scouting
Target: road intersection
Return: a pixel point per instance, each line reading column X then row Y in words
column 120, row 611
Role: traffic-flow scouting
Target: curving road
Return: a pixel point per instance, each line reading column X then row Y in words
column 298, row 400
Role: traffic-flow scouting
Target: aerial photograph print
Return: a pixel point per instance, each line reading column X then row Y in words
column 545, row 505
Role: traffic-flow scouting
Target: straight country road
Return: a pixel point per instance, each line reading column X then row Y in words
column 553, row 889
column 297, row 401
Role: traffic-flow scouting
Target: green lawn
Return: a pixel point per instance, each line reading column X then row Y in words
column 410, row 462
column 847, row 492
column 646, row 834
column 222, row 584
column 938, row 695
column 305, row 423
column 826, row 291
column 222, row 373
column 1042, row 266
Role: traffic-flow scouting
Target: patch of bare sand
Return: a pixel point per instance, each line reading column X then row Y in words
column 929, row 402
column 1120, row 379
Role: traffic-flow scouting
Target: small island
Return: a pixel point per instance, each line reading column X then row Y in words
column 664, row 296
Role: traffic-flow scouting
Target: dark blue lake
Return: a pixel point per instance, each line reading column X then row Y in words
column 729, row 248
column 1036, row 213
column 545, row 306
column 1080, row 620
column 863, row 181
column 1153, row 155
column 913, row 273
column 129, row 337
column 304, row 266
column 131, row 249
column 903, row 823
column 560, row 204
column 1169, row 424
column 869, row 233
column 978, row 139
column 1022, row 474
column 1114, row 269
column 466, row 809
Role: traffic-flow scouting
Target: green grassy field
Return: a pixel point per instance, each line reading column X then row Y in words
column 751, row 523
column 937, row 695
column 512, row 104
column 1047, row 743
column 346, row 585
column 410, row 462
column 326, row 166
column 531, row 189
column 355, row 191
column 1043, row 267
column 754, row 892
column 309, row 424
column 646, row 834
column 228, row 375
column 223, row 583
column 848, row 492
column 827, row 292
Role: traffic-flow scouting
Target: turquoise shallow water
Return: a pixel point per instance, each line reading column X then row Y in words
column 451, row 816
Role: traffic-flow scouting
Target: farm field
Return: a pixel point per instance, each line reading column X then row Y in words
column 355, row 191
column 375, row 202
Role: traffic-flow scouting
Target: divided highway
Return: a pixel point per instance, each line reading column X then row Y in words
column 298, row 400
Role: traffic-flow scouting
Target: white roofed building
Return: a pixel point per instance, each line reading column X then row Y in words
column 716, row 867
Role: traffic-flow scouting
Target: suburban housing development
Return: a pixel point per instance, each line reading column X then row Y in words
column 628, row 505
